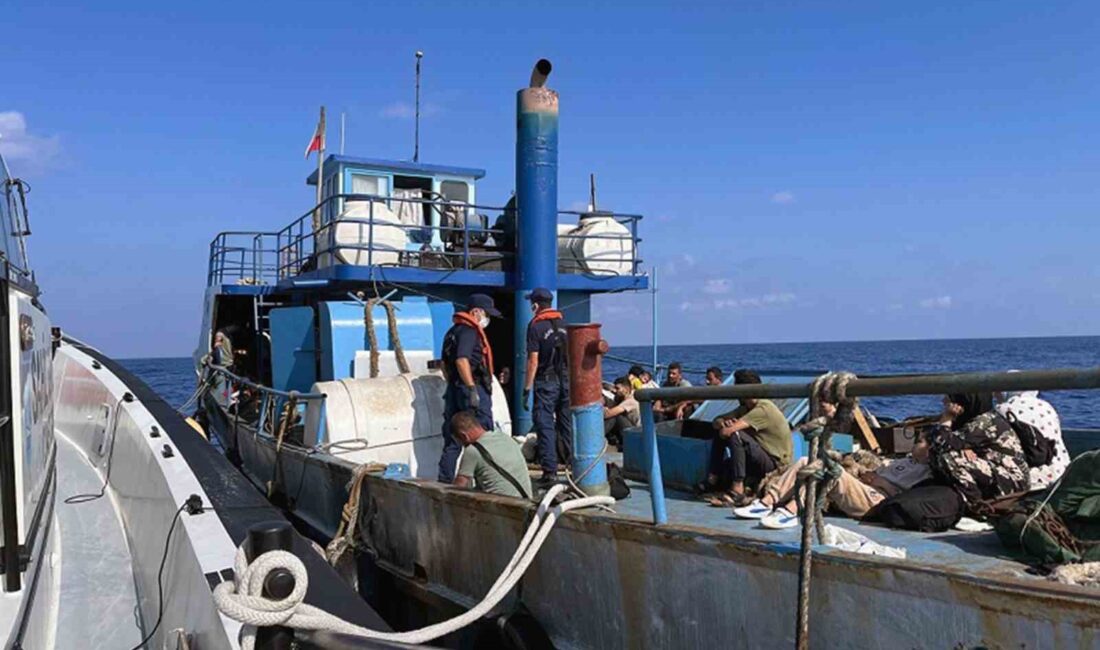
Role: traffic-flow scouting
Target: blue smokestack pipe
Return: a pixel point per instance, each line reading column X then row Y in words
column 537, row 214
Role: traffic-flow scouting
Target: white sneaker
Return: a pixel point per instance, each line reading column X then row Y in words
column 780, row 518
column 754, row 510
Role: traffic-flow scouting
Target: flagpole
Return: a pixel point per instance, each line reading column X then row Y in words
column 320, row 172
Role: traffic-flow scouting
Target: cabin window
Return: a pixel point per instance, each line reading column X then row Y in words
column 363, row 184
column 455, row 191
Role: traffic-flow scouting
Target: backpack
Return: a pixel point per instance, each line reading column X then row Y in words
column 1038, row 449
column 615, row 480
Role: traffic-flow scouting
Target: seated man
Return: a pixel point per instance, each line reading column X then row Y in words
column 672, row 410
column 758, row 440
column 623, row 415
column 853, row 495
column 714, row 378
column 490, row 458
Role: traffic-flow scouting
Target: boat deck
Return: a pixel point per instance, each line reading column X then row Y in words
column 954, row 549
column 971, row 552
column 98, row 601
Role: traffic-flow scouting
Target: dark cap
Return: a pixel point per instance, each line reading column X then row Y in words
column 482, row 301
column 540, row 294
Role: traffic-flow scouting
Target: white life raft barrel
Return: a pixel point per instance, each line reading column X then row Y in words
column 351, row 238
column 599, row 245
column 397, row 419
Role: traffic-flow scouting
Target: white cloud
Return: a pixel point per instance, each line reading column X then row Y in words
column 752, row 302
column 407, row 111
column 716, row 286
column 940, row 302
column 783, row 198
column 20, row 146
column 616, row 310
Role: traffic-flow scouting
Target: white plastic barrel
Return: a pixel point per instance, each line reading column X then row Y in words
column 399, row 418
column 601, row 245
column 386, row 240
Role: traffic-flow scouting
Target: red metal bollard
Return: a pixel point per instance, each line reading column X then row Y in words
column 586, row 350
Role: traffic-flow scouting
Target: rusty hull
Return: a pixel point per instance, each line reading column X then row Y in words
column 612, row 581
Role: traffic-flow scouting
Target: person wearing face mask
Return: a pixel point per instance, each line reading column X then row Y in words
column 468, row 368
column 548, row 377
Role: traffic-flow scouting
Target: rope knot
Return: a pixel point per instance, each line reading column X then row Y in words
column 814, row 469
column 243, row 598
column 829, row 400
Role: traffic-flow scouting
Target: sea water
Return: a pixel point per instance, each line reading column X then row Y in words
column 174, row 378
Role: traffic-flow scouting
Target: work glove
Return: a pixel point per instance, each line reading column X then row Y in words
column 473, row 397
column 526, row 399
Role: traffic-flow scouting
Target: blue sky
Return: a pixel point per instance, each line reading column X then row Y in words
column 857, row 171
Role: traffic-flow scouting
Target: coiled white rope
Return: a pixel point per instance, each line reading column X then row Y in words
column 242, row 599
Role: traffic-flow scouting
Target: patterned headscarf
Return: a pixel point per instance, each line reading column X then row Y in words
column 974, row 404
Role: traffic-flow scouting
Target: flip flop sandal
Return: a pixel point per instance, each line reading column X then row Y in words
column 723, row 500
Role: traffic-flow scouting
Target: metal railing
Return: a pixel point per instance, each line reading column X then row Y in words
column 246, row 258
column 272, row 400
column 369, row 230
column 883, row 386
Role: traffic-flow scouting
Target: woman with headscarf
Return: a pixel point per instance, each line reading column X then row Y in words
column 975, row 455
column 976, row 450
column 1027, row 407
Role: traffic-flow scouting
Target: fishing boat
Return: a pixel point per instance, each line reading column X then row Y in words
column 118, row 520
column 332, row 406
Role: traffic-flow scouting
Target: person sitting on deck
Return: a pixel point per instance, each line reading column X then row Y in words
column 854, row 493
column 673, row 410
column 635, row 376
column 976, row 457
column 623, row 415
column 714, row 378
column 758, row 439
column 491, row 460
column 647, row 380
column 1029, row 408
column 980, row 455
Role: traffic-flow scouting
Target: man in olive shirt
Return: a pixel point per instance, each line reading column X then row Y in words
column 758, row 439
column 491, row 459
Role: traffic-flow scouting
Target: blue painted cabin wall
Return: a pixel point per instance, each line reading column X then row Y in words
column 293, row 362
column 343, row 332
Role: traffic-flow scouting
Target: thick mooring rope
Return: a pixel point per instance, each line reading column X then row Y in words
column 395, row 336
column 832, row 388
column 242, row 598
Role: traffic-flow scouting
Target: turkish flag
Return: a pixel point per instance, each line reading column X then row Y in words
column 318, row 141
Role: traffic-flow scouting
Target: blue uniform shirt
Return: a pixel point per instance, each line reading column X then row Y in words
column 467, row 346
column 542, row 338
